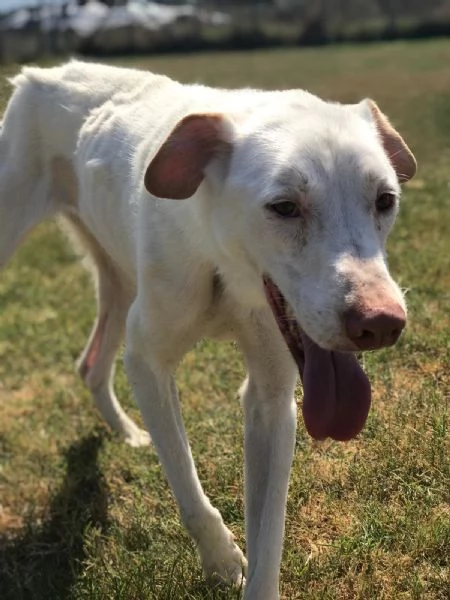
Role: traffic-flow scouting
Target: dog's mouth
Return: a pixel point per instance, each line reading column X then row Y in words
column 336, row 390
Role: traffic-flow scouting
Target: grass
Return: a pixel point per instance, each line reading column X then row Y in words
column 84, row 517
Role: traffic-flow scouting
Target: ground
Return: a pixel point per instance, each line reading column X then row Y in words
column 83, row 516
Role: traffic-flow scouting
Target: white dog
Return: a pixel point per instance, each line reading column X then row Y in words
column 253, row 215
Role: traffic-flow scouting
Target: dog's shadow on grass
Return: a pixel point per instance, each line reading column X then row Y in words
column 44, row 561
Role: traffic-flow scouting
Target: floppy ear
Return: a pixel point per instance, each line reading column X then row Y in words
column 400, row 156
column 178, row 168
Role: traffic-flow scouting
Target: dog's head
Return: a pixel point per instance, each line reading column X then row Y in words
column 299, row 198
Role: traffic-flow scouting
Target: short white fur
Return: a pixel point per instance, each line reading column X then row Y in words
column 77, row 140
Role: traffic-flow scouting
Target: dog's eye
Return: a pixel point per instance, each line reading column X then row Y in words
column 385, row 202
column 286, row 209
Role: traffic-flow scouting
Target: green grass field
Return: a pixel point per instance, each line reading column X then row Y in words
column 83, row 516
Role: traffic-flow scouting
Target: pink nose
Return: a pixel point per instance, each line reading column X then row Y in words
column 372, row 329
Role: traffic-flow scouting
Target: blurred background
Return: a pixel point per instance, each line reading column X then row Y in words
column 34, row 29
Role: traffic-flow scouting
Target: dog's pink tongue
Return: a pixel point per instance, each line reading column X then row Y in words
column 336, row 393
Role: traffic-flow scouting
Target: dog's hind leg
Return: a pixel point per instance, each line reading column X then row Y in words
column 19, row 216
column 24, row 202
column 25, row 179
column 96, row 364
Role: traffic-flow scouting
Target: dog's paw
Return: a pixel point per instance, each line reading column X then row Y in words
column 227, row 568
column 137, row 437
column 223, row 560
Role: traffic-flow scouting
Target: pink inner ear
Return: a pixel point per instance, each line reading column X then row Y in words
column 178, row 168
column 400, row 156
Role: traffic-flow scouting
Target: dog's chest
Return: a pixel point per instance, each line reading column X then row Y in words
column 219, row 321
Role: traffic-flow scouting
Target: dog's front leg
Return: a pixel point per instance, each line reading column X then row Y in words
column 156, row 394
column 270, row 425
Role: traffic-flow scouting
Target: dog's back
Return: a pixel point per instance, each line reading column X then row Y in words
column 57, row 121
column 49, row 106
